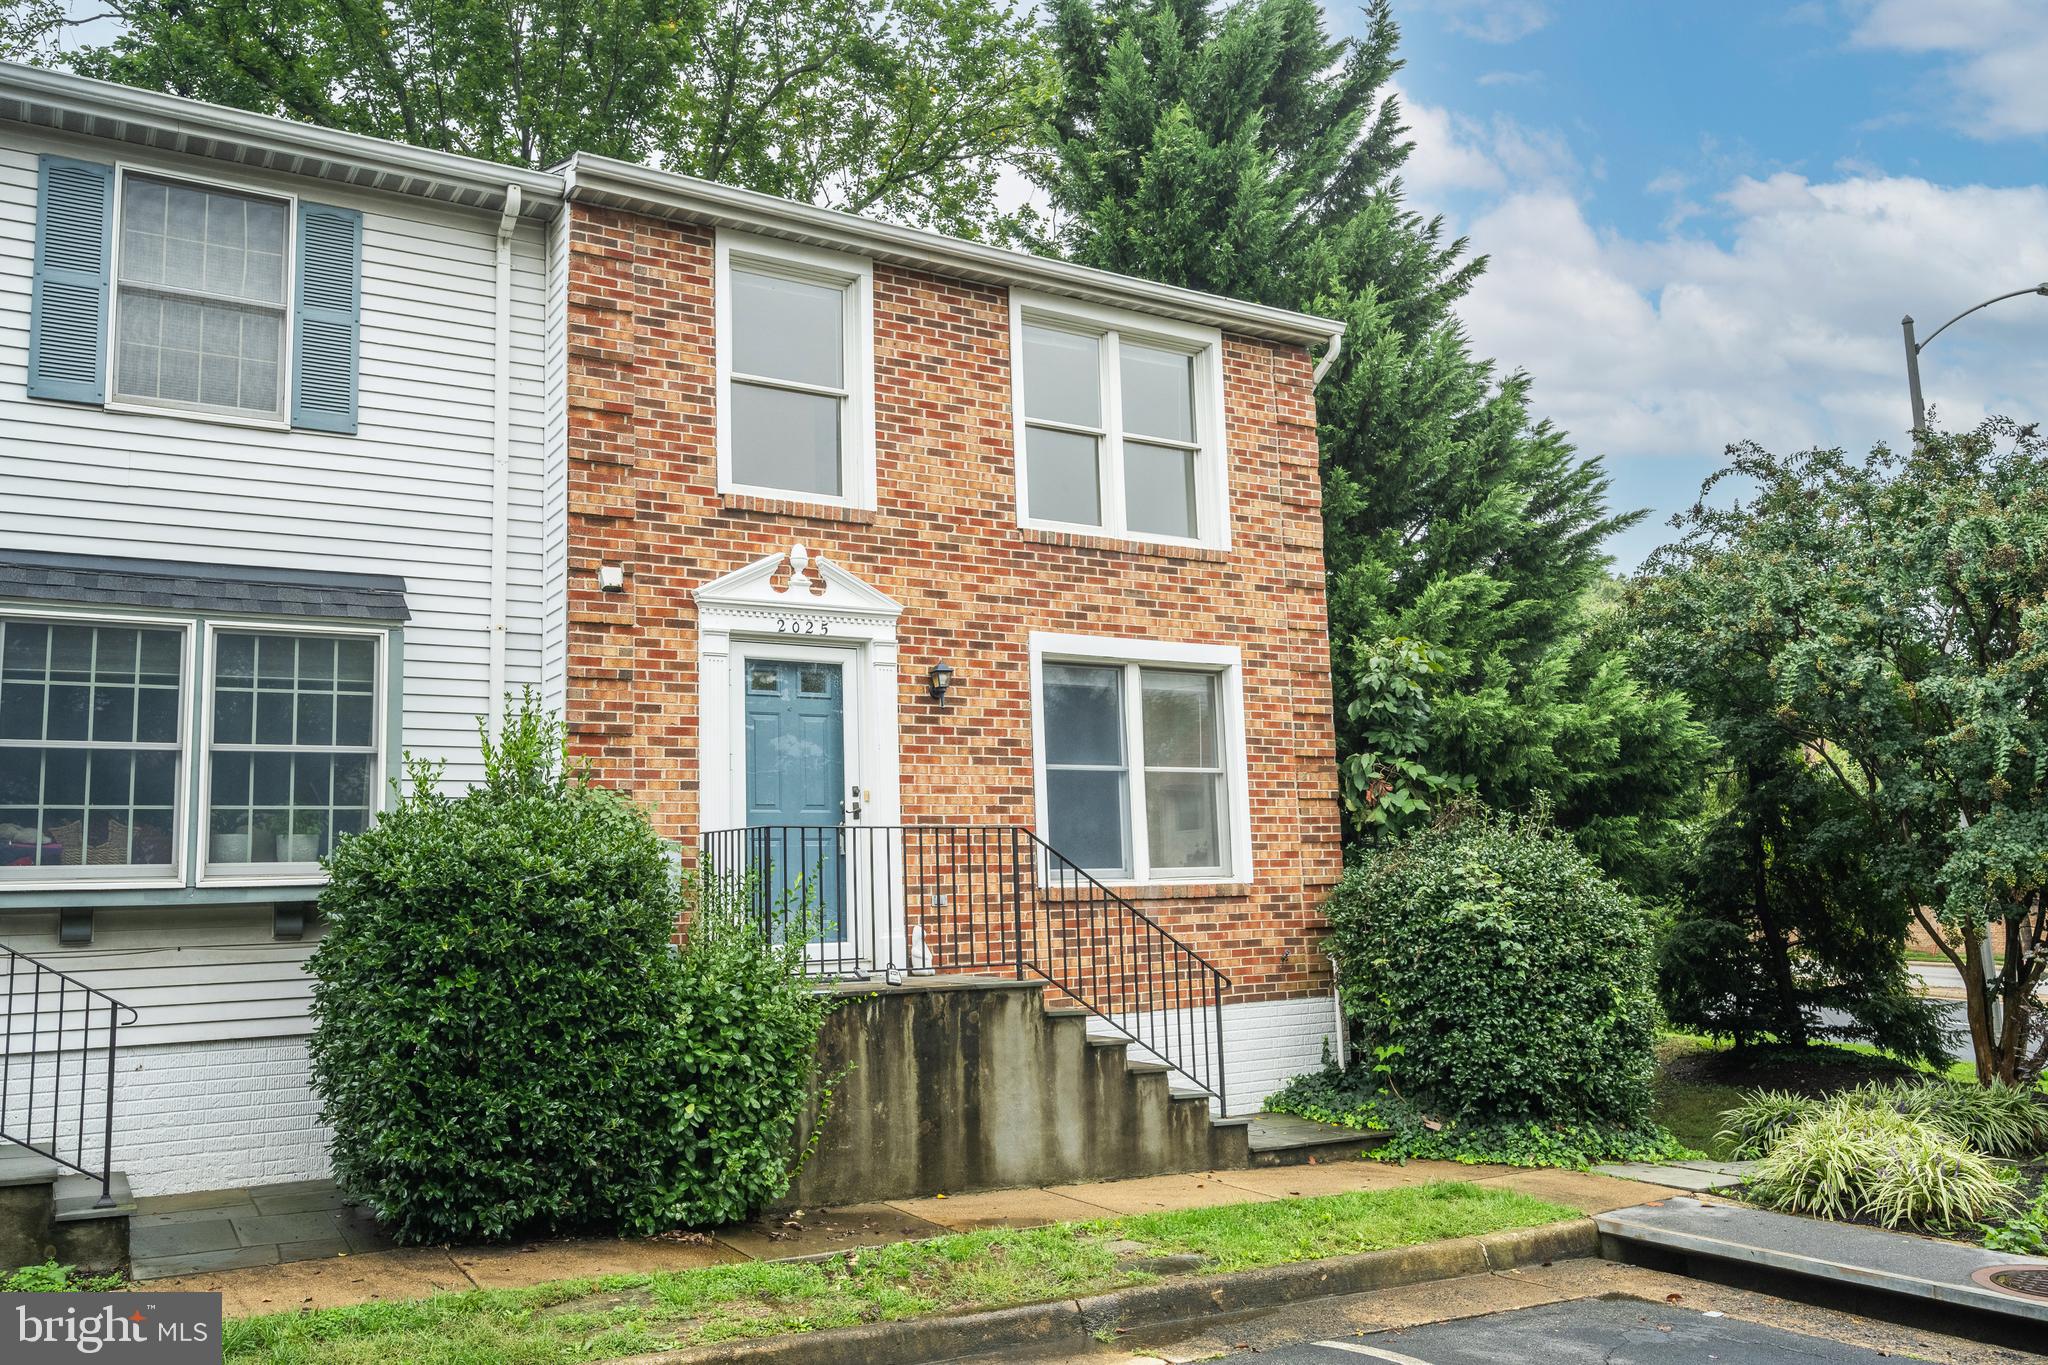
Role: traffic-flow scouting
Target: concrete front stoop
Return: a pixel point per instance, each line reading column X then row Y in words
column 946, row 1084
column 47, row 1212
column 1896, row 1276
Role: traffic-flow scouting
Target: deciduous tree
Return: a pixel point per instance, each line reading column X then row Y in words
column 1883, row 622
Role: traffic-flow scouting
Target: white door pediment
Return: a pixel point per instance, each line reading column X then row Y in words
column 815, row 587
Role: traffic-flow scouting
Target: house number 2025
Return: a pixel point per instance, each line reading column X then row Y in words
column 801, row 625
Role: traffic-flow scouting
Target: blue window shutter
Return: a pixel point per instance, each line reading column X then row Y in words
column 328, row 318
column 67, row 329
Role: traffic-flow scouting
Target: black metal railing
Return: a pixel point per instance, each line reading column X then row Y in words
column 57, row 1072
column 894, row 900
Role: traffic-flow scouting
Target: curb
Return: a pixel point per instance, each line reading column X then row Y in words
column 1079, row 1324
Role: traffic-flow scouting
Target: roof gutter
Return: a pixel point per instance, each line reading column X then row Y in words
column 101, row 109
column 601, row 180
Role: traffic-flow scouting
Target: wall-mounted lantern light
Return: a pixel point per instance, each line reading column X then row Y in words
column 939, row 679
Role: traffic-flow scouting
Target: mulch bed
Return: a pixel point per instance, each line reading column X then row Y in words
column 1813, row 1072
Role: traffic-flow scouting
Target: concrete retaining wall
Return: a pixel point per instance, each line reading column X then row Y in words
column 965, row 1084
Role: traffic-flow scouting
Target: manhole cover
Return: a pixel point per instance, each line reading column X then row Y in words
column 2030, row 1280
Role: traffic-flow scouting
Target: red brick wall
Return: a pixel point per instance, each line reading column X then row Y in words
column 945, row 543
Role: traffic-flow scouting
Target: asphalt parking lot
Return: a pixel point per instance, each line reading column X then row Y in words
column 1604, row 1331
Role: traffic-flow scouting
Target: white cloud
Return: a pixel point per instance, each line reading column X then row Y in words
column 1995, row 52
column 1786, row 331
column 1495, row 21
column 1766, row 307
column 1456, row 154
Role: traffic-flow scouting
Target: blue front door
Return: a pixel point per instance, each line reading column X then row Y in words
column 796, row 779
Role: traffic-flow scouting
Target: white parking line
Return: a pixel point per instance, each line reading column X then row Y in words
column 1373, row 1351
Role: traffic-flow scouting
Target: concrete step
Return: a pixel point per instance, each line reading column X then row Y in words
column 19, row 1166
column 1284, row 1140
column 76, row 1199
column 1884, row 1274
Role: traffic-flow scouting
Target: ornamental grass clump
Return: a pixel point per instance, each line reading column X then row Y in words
column 1848, row 1160
column 1753, row 1127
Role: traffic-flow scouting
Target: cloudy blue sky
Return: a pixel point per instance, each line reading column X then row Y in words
column 1705, row 219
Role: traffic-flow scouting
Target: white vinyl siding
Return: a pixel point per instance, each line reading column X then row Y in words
column 410, row 494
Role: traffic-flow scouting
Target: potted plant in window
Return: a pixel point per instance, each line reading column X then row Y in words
column 290, row 847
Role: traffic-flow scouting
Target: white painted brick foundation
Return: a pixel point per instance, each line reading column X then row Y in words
column 1266, row 1043
column 203, row 1116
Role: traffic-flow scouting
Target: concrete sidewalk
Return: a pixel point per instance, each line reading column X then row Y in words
column 411, row 1273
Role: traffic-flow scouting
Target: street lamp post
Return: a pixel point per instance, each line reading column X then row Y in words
column 1914, row 348
column 1986, row 966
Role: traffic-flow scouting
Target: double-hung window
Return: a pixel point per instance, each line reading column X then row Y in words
column 293, row 749
column 1140, row 770
column 91, row 749
column 150, row 291
column 103, row 753
column 200, row 312
column 1119, row 424
column 795, row 373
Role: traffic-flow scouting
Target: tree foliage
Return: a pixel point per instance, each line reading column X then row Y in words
column 1240, row 148
column 1883, row 623
column 904, row 108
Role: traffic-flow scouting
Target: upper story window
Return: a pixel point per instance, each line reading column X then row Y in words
column 200, row 309
column 173, row 295
column 795, row 373
column 1119, row 424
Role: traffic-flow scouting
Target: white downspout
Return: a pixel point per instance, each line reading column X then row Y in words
column 1329, row 357
column 501, row 464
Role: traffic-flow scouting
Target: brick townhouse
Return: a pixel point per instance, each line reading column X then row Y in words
column 970, row 602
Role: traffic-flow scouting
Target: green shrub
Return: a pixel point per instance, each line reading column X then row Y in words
column 2025, row 1233
column 506, row 1039
column 1352, row 1099
column 53, row 1277
column 1995, row 1119
column 1753, row 1127
column 744, row 1067
column 1497, row 976
column 1850, row 1160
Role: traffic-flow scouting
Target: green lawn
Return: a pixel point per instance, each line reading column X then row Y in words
column 1690, row 1105
column 583, row 1320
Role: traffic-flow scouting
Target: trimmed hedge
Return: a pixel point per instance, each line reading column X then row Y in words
column 506, row 1039
column 1495, row 976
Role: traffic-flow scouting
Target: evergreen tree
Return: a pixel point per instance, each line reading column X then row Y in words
column 1239, row 148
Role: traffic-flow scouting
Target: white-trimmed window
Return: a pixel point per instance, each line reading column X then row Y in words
column 1140, row 750
column 1119, row 423
column 293, row 746
column 92, row 719
column 116, row 729
column 201, row 298
column 795, row 372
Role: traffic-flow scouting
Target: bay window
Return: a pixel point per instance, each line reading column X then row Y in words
column 1140, row 770
column 90, row 749
column 112, row 729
